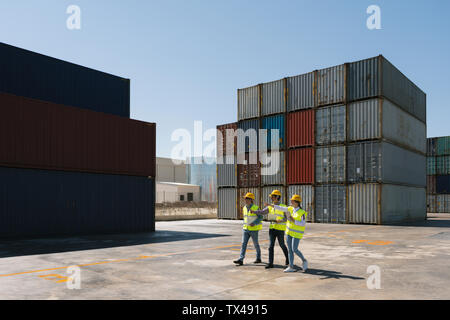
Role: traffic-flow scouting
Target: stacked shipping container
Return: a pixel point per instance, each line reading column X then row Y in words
column 438, row 175
column 354, row 136
column 71, row 161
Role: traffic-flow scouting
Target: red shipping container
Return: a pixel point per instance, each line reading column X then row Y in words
column 301, row 166
column 300, row 128
column 222, row 139
column 43, row 135
column 249, row 175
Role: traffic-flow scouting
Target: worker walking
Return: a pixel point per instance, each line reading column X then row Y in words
column 295, row 228
column 277, row 228
column 252, row 225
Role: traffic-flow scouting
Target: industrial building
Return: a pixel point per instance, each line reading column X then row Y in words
column 351, row 142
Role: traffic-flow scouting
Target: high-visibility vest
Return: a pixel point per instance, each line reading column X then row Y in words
column 296, row 229
column 249, row 214
column 280, row 216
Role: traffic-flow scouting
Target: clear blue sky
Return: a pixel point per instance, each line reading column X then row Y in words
column 186, row 59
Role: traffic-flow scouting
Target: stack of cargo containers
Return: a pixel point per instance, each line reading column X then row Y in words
column 71, row 160
column 355, row 142
column 438, row 175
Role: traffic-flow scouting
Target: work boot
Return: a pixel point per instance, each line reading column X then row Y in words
column 238, row 262
column 257, row 261
column 269, row 266
column 286, row 263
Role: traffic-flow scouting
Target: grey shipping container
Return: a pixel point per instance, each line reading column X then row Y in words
column 266, row 191
column 301, row 91
column 331, row 125
column 227, row 203
column 330, row 204
column 32, row 75
column 241, row 200
column 443, row 203
column 385, row 162
column 307, row 194
column 226, row 172
column 248, row 103
column 331, row 85
column 273, row 168
column 41, row 203
column 378, row 77
column 330, row 164
column 375, row 203
column 381, row 119
column 431, row 203
column 272, row 97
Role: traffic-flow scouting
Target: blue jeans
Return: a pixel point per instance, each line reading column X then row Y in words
column 292, row 244
column 245, row 237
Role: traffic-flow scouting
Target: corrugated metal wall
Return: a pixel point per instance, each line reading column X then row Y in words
column 226, row 146
column 33, row 75
column 331, row 85
column 272, row 98
column 331, row 164
column 273, row 168
column 248, row 172
column 363, row 79
column 300, row 128
column 364, row 203
column 43, row 135
column 226, row 172
column 364, row 120
column 247, row 137
column 266, row 191
column 443, row 184
column 431, row 184
column 307, row 194
column 402, row 203
column 248, row 103
column 330, row 204
column 442, row 164
column 301, row 91
column 275, row 123
column 301, row 166
column 227, row 205
column 41, row 203
column 331, row 125
column 442, row 146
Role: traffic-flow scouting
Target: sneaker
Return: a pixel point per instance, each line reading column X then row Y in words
column 238, row 262
column 305, row 266
column 257, row 261
column 269, row 266
column 289, row 269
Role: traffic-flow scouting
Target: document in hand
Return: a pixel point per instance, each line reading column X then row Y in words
column 271, row 217
column 251, row 219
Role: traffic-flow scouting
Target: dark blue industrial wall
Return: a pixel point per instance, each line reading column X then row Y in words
column 28, row 74
column 36, row 203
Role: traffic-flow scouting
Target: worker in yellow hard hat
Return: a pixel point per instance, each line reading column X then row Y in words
column 277, row 226
column 295, row 228
column 252, row 225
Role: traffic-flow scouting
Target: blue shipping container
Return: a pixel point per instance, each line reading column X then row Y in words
column 275, row 123
column 251, row 128
column 32, row 75
column 40, row 203
column 443, row 184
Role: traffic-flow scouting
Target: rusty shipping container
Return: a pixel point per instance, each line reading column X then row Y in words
column 431, row 184
column 248, row 170
column 300, row 128
column 33, row 75
column 300, row 166
column 226, row 139
column 43, row 135
column 41, row 203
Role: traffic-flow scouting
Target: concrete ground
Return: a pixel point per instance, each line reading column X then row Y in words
column 193, row 260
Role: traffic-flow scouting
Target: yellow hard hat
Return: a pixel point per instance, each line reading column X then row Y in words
column 297, row 198
column 275, row 193
column 250, row 195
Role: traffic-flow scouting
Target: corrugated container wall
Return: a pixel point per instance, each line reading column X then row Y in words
column 226, row 172
column 330, row 204
column 331, row 125
column 331, row 85
column 431, row 204
column 241, row 200
column 300, row 167
column 431, row 184
column 330, row 165
column 443, row 203
column 443, row 184
column 431, row 166
column 42, row 203
column 248, row 172
column 431, row 146
column 396, row 125
column 442, row 146
column 274, row 123
column 227, row 205
column 43, row 135
column 226, row 139
column 385, row 162
column 248, row 103
column 272, row 168
column 29, row 74
column 307, row 194
column 247, row 137
column 301, row 91
column 272, row 98
column 442, row 164
column 266, row 191
column 300, row 128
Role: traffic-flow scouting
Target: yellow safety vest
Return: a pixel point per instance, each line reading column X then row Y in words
column 296, row 229
column 280, row 216
column 249, row 214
